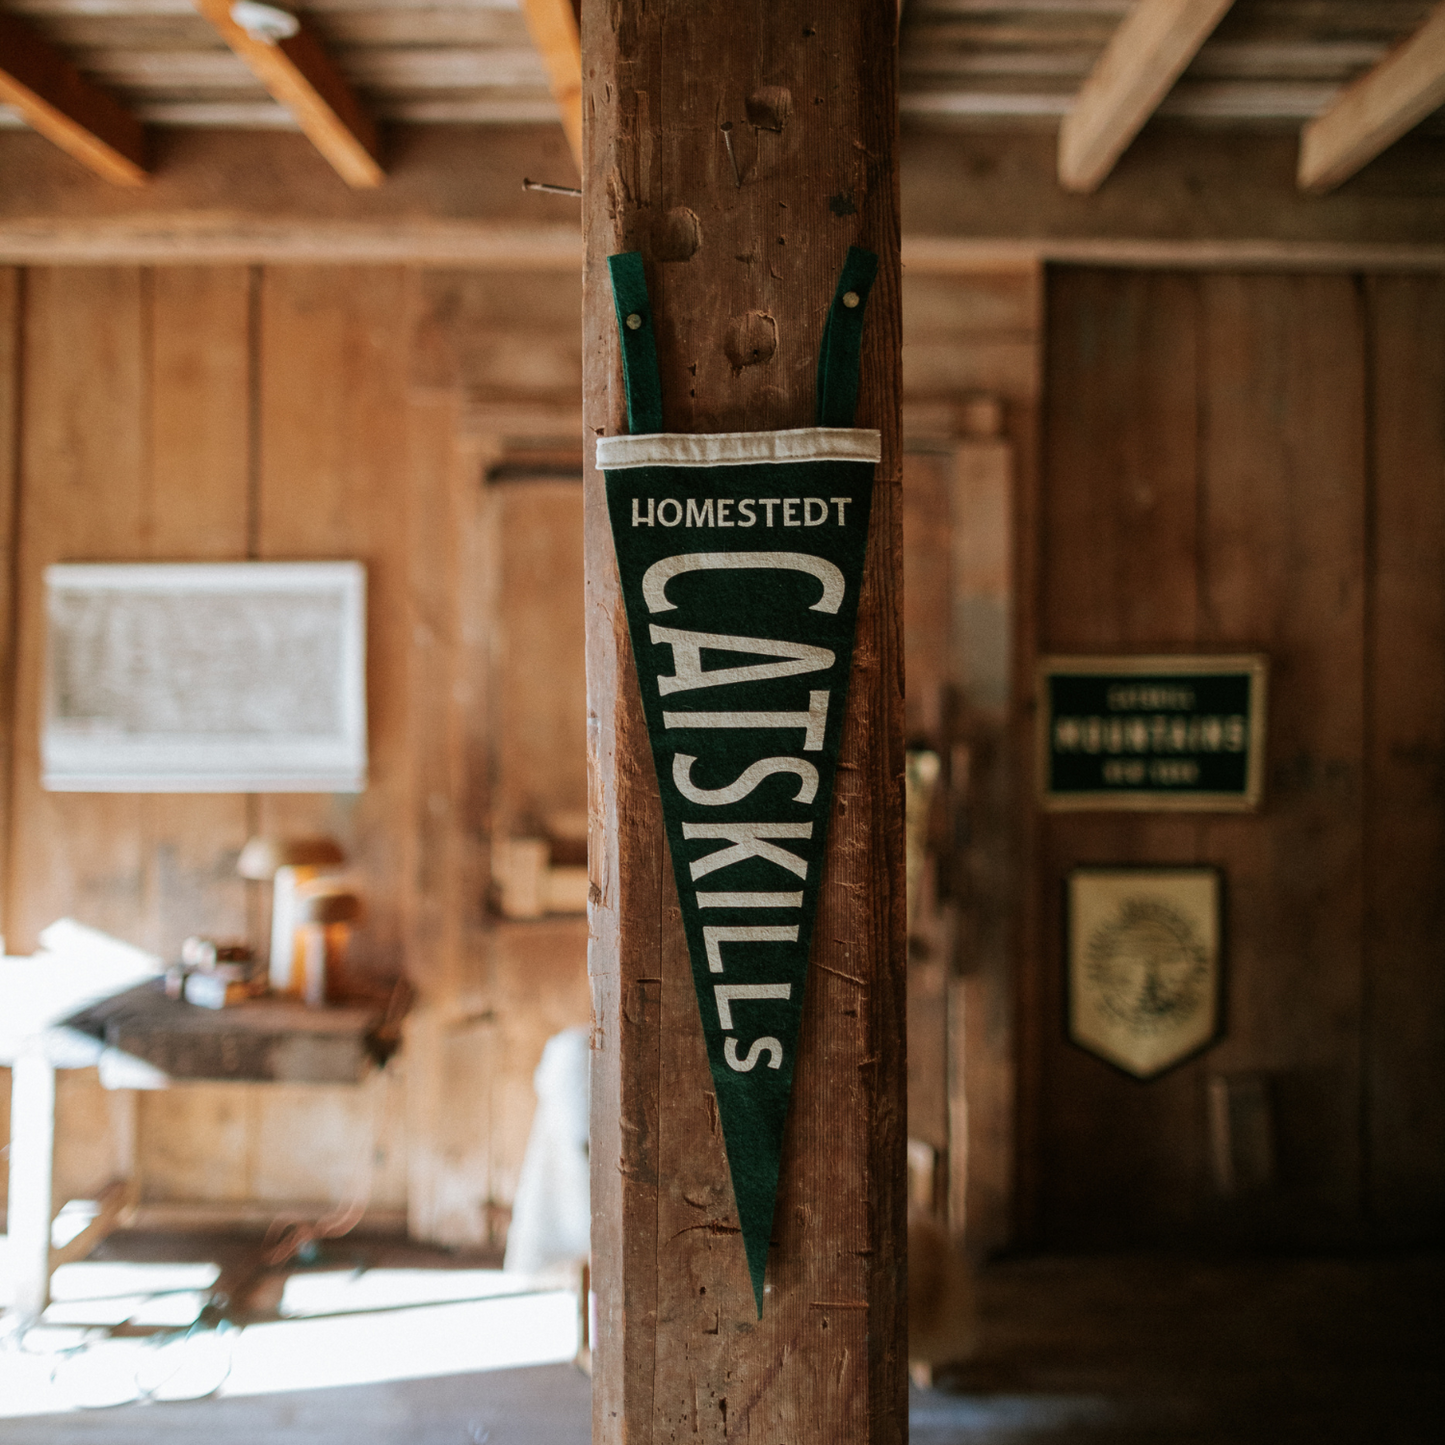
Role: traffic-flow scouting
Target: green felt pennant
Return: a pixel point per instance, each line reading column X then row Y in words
column 741, row 583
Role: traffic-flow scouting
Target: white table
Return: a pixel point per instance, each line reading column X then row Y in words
column 76, row 967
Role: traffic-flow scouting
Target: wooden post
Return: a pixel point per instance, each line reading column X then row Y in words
column 742, row 149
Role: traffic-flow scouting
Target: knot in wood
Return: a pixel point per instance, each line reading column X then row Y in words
column 769, row 107
column 752, row 338
column 677, row 235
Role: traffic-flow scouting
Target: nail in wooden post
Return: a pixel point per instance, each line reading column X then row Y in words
column 742, row 149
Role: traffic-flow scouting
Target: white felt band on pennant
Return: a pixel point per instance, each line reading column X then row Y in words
column 740, row 448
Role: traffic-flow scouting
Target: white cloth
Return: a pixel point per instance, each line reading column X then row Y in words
column 736, row 448
column 76, row 966
column 552, row 1213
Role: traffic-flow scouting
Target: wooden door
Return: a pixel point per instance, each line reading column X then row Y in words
column 1255, row 463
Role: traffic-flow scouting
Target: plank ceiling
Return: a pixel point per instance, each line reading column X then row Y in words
column 1270, row 62
column 427, row 62
column 970, row 62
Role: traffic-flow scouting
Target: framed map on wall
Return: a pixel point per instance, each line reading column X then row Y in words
column 244, row 677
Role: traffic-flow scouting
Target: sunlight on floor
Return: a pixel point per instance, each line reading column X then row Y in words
column 334, row 1292
column 119, row 1333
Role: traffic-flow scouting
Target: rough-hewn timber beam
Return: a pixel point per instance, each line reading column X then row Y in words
column 1375, row 110
column 1147, row 54
column 691, row 160
column 299, row 74
column 55, row 99
column 553, row 26
column 451, row 198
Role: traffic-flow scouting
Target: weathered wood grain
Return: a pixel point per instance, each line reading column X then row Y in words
column 490, row 1010
column 449, row 61
column 1375, row 109
column 450, row 1059
column 333, row 426
column 1154, row 43
column 453, row 198
column 441, row 176
column 156, row 366
column 263, row 1148
column 84, row 459
column 195, row 509
column 84, row 1161
column 1117, row 538
column 541, row 722
column 272, row 1040
column 928, row 600
column 434, row 909
column 1205, row 489
column 1283, row 569
column 198, row 413
column 553, row 27
column 927, row 658
column 1403, row 1055
column 1204, row 186
column 159, row 374
column 298, row 71
column 195, row 413
column 678, row 1348
column 12, row 312
column 55, row 99
column 985, row 879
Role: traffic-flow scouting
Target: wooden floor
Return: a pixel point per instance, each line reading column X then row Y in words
column 1143, row 1351
column 1138, row 1351
column 549, row 1405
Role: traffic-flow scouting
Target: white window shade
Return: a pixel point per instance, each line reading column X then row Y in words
column 205, row 678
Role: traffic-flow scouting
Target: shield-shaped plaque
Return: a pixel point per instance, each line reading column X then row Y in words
column 1143, row 965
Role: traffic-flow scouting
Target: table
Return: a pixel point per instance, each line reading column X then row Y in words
column 139, row 1038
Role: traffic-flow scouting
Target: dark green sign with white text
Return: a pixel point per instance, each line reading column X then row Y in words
column 1165, row 733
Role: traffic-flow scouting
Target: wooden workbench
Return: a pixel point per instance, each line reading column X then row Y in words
column 264, row 1041
column 140, row 1038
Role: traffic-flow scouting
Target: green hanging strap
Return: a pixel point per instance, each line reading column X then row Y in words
column 837, row 391
column 843, row 340
column 640, row 377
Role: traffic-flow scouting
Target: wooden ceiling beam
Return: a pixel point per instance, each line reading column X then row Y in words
column 1145, row 56
column 1374, row 111
column 555, row 32
column 300, row 75
column 56, row 100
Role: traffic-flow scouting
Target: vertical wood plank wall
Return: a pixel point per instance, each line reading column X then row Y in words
column 967, row 337
column 1402, row 1033
column 226, row 413
column 1231, row 461
column 234, row 412
column 1241, row 463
